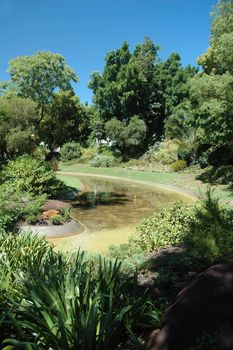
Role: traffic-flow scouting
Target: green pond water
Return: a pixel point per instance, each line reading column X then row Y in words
column 110, row 210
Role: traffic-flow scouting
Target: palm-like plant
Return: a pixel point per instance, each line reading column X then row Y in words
column 69, row 303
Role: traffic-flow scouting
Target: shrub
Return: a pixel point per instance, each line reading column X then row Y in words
column 18, row 206
column 167, row 152
column 168, row 227
column 65, row 214
column 31, row 175
column 102, row 161
column 56, row 220
column 222, row 175
column 41, row 152
column 183, row 154
column 70, row 151
column 205, row 227
column 179, row 165
column 88, row 154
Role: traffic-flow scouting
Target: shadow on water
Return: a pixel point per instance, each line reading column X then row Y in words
column 110, row 210
column 93, row 199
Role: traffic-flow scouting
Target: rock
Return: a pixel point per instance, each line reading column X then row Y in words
column 205, row 305
column 53, row 204
column 49, row 213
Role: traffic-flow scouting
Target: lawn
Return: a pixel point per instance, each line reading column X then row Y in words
column 184, row 181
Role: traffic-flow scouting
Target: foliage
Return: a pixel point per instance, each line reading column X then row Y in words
column 166, row 153
column 31, row 175
column 70, row 151
column 41, row 152
column 100, row 160
column 19, row 253
column 65, row 214
column 65, row 120
column 49, row 70
column 206, row 228
column 56, row 220
column 165, row 228
column 88, row 153
column 179, row 165
column 211, row 91
column 139, row 83
column 218, row 56
column 67, row 302
column 222, row 175
column 212, row 100
column 127, row 138
column 211, row 235
column 16, row 206
column 18, row 117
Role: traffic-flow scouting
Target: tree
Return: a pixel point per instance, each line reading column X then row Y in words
column 218, row 57
column 18, row 117
column 128, row 138
column 212, row 91
column 140, row 84
column 65, row 120
column 39, row 76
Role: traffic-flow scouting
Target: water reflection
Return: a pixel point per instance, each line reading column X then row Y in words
column 111, row 210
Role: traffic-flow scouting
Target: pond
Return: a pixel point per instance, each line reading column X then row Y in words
column 110, row 210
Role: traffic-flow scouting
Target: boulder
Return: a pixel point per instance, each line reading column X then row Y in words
column 53, row 204
column 204, row 306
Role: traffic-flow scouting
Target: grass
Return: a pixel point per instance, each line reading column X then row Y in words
column 184, row 181
column 71, row 181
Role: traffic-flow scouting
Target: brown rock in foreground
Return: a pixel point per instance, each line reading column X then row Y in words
column 53, row 204
column 205, row 305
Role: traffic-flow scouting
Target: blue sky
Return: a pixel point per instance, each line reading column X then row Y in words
column 84, row 30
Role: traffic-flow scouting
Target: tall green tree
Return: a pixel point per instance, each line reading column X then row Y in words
column 127, row 138
column 39, row 76
column 212, row 90
column 140, row 84
column 66, row 120
column 18, row 117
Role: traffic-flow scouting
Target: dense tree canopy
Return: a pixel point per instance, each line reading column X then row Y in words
column 38, row 76
column 212, row 90
column 66, row 120
column 139, row 83
column 18, row 117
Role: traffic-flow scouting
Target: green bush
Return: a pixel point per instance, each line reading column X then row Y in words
column 65, row 214
column 165, row 228
column 184, row 154
column 41, row 152
column 31, row 175
column 179, row 165
column 222, row 175
column 56, row 220
column 88, row 154
column 18, row 207
column 70, row 151
column 101, row 160
column 166, row 153
column 205, row 228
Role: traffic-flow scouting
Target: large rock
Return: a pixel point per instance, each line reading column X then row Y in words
column 205, row 305
column 53, row 204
